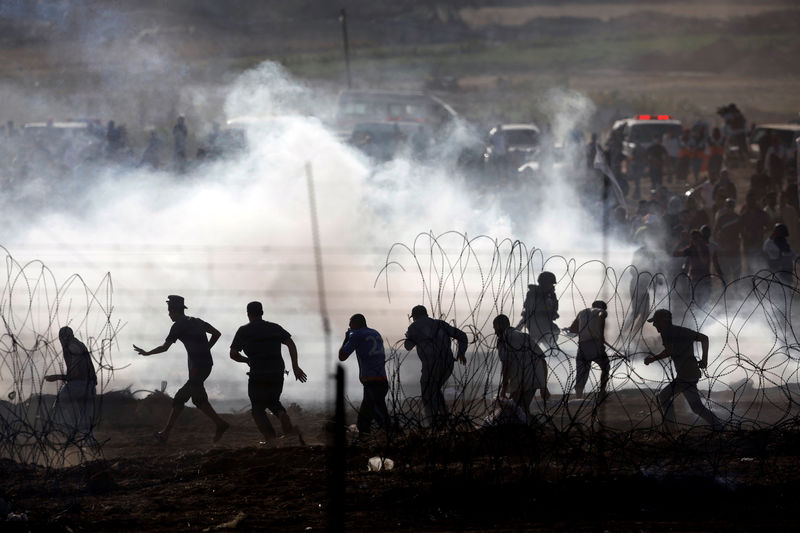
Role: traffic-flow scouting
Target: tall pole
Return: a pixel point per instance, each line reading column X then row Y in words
column 343, row 20
column 323, row 307
column 336, row 467
column 606, row 224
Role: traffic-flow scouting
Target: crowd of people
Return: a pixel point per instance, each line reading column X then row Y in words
column 715, row 229
column 521, row 351
column 57, row 150
column 712, row 231
column 695, row 153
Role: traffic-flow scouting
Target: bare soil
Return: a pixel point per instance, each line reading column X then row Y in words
column 500, row 479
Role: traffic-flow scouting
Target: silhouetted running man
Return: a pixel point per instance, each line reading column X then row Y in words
column 368, row 345
column 192, row 333
column 432, row 340
column 75, row 401
column 590, row 326
column 678, row 345
column 261, row 342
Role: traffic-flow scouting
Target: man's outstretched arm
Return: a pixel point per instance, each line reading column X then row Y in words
column 161, row 349
column 655, row 357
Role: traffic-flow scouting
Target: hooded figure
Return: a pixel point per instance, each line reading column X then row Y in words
column 74, row 405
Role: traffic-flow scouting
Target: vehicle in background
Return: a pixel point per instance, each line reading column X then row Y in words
column 362, row 107
column 639, row 131
column 552, row 159
column 509, row 146
column 70, row 142
column 383, row 141
column 761, row 138
column 233, row 137
column 56, row 131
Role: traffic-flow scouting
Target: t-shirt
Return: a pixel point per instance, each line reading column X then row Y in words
column 590, row 325
column 679, row 343
column 432, row 339
column 79, row 362
column 261, row 342
column 368, row 346
column 522, row 358
column 192, row 333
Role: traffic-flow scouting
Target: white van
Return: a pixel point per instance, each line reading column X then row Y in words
column 360, row 107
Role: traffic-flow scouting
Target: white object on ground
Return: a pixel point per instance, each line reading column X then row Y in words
column 376, row 464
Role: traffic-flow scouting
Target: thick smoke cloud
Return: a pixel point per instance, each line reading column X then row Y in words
column 147, row 222
column 237, row 229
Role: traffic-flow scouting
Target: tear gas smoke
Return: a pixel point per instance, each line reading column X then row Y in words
column 237, row 229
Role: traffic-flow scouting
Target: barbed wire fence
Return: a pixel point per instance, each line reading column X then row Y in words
column 34, row 305
column 751, row 383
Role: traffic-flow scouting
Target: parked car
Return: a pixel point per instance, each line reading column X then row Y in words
column 761, row 136
column 360, row 107
column 509, row 146
column 639, row 131
column 383, row 140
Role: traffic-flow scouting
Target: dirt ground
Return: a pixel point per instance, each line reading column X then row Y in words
column 501, row 479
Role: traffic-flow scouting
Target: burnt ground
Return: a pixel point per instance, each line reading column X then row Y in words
column 503, row 479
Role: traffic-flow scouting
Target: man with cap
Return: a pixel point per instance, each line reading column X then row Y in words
column 368, row 345
column 432, row 339
column 75, row 400
column 540, row 310
column 192, row 332
column 261, row 342
column 522, row 366
column 679, row 345
column 590, row 326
